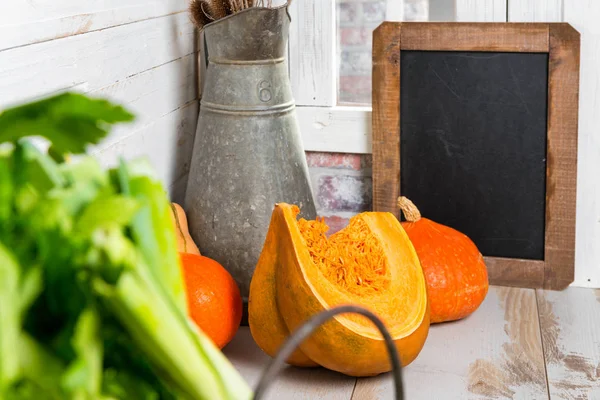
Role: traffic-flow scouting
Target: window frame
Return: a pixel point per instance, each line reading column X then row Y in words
column 325, row 125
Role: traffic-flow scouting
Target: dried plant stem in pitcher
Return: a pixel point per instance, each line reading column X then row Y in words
column 206, row 11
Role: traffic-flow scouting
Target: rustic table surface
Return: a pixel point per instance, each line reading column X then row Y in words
column 520, row 344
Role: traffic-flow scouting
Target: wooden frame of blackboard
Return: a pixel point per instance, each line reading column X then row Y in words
column 561, row 42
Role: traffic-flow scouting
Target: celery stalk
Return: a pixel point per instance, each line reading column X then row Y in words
column 10, row 325
column 169, row 343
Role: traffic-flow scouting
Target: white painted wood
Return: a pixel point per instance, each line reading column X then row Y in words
column 291, row 383
column 535, row 10
column 94, row 60
column 336, row 129
column 394, row 10
column 584, row 15
column 151, row 95
column 167, row 143
column 481, row 10
column 570, row 322
column 312, row 54
column 495, row 353
column 26, row 22
column 128, row 53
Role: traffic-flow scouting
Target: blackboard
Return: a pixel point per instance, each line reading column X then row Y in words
column 476, row 123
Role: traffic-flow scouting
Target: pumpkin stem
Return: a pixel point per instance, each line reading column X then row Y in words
column 178, row 225
column 410, row 211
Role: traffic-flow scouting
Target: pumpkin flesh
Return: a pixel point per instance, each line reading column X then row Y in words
column 353, row 266
column 370, row 263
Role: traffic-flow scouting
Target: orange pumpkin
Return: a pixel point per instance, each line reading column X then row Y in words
column 213, row 297
column 456, row 274
column 185, row 243
column 302, row 272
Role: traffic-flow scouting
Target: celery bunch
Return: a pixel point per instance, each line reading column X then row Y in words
column 92, row 301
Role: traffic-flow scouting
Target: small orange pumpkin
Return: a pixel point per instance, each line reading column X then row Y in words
column 214, row 300
column 185, row 243
column 456, row 274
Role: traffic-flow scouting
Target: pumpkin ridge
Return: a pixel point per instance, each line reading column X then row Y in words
column 267, row 325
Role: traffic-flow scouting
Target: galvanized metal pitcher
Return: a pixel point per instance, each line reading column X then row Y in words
column 248, row 153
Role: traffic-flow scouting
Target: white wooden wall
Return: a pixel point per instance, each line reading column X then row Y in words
column 137, row 52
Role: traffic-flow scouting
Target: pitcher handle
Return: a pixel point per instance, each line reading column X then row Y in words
column 287, row 9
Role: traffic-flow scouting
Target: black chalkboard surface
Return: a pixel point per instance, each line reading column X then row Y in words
column 476, row 124
column 473, row 129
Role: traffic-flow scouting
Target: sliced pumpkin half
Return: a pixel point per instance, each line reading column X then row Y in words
column 371, row 263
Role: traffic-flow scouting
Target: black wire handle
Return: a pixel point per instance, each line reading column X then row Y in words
column 309, row 327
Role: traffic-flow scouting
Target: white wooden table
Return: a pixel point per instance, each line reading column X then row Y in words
column 520, row 344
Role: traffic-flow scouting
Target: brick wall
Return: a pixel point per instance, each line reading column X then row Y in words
column 342, row 186
column 356, row 20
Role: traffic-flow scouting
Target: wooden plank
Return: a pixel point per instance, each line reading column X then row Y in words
column 570, row 322
column 496, row 353
column 517, row 37
column 515, row 272
column 584, row 16
column 535, row 11
column 27, row 22
column 386, row 117
column 167, row 143
column 481, row 10
column 312, row 54
column 561, row 179
column 292, row 383
column 94, row 60
column 150, row 95
column 336, row 129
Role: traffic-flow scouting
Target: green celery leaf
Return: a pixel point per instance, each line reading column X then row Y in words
column 86, row 180
column 70, row 121
column 106, row 211
column 85, row 169
column 38, row 169
column 26, row 198
column 111, row 253
column 41, row 372
column 83, row 378
column 31, row 286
